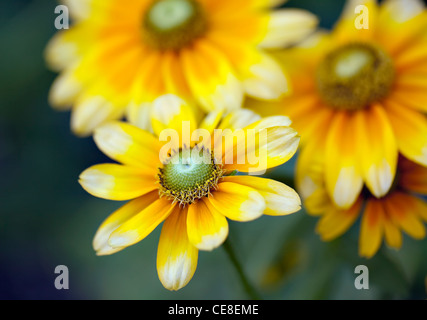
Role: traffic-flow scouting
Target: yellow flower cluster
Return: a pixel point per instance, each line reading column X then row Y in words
column 207, row 90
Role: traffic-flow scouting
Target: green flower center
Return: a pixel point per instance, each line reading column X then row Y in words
column 173, row 24
column 354, row 76
column 188, row 175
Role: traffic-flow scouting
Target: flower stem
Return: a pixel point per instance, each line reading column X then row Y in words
column 250, row 290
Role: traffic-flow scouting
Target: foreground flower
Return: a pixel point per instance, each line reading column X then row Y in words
column 401, row 209
column 121, row 55
column 190, row 189
column 361, row 95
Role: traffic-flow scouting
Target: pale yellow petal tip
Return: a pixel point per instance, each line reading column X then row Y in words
column 211, row 242
column 347, row 188
column 100, row 240
column 367, row 253
column 96, row 182
column 380, row 180
column 166, row 107
column 254, row 207
column 123, row 239
column 175, row 275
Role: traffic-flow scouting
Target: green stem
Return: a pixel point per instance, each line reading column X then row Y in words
column 245, row 282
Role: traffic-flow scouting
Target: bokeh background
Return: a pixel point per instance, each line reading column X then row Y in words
column 47, row 219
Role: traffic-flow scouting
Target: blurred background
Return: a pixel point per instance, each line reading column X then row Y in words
column 47, row 219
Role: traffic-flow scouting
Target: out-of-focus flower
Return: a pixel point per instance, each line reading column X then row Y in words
column 119, row 56
column 360, row 96
column 189, row 186
column 402, row 208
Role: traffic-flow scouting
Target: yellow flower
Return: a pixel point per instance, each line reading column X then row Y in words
column 401, row 209
column 360, row 95
column 193, row 198
column 121, row 55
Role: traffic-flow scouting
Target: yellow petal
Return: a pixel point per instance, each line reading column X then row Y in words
column 336, row 222
column 171, row 113
column 117, row 182
column 372, row 228
column 279, row 198
column 141, row 225
column 238, row 119
column 64, row 91
column 207, row 228
column 116, row 219
column 79, row 9
column 211, row 121
column 400, row 208
column 211, row 78
column 287, row 27
column 128, row 144
column 343, row 177
column 377, row 149
column 264, row 144
column 410, row 129
column 401, row 22
column 237, row 202
column 412, row 176
column 265, row 79
column 392, row 234
column 62, row 51
column 139, row 115
column 91, row 112
column 176, row 256
column 357, row 26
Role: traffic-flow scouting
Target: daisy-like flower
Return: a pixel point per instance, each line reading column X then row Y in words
column 121, row 55
column 401, row 209
column 361, row 95
column 188, row 187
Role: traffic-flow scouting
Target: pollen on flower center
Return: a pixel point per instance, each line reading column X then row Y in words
column 173, row 24
column 188, row 175
column 354, row 76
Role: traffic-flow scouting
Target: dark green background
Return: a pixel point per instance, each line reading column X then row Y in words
column 46, row 219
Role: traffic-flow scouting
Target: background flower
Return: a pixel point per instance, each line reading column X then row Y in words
column 384, row 219
column 360, row 94
column 122, row 55
column 47, row 219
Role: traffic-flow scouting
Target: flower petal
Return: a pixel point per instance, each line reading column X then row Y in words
column 141, row 225
column 392, row 234
column 400, row 23
column 237, row 202
column 116, row 219
column 207, row 229
column 117, row 182
column 372, row 228
column 336, row 222
column 410, row 128
column 377, row 149
column 400, row 209
column 238, row 119
column 279, row 198
column 343, row 177
column 288, row 26
column 176, row 256
column 170, row 112
column 211, row 78
column 91, row 112
column 64, row 91
column 128, row 144
column 262, row 145
column 265, row 79
column 412, row 177
column 139, row 115
column 346, row 29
